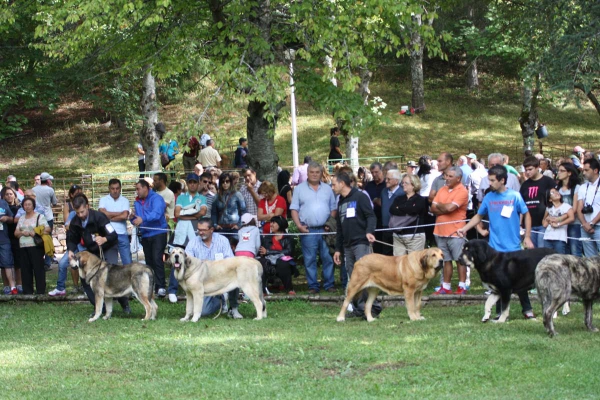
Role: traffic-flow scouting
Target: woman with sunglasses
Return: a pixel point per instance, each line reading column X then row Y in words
column 228, row 206
column 568, row 185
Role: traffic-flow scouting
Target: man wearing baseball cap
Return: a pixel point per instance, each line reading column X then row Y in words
column 46, row 197
column 190, row 207
column 411, row 167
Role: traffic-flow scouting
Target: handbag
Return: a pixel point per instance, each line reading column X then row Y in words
column 37, row 239
column 164, row 160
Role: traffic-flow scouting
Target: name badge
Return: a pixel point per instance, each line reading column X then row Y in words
column 218, row 256
column 350, row 212
column 507, row 211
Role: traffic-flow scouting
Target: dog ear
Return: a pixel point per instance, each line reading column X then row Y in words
column 425, row 259
column 188, row 261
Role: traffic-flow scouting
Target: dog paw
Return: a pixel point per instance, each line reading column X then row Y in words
column 565, row 312
column 370, row 319
column 91, row 319
column 593, row 329
column 105, row 317
column 340, row 319
column 257, row 319
column 184, row 319
column 484, row 319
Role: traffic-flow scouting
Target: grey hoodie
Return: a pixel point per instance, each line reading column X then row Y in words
column 249, row 239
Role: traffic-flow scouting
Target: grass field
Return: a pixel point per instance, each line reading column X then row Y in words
column 50, row 351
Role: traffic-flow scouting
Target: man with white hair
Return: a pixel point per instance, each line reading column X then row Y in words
column 46, row 197
column 512, row 181
column 388, row 194
column 465, row 166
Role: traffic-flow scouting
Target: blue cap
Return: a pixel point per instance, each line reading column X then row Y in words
column 193, row 177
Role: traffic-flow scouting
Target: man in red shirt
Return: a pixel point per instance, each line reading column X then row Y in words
column 191, row 154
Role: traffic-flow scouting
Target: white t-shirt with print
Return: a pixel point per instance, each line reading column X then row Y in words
column 559, row 233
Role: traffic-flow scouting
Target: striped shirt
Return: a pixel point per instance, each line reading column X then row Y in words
column 219, row 248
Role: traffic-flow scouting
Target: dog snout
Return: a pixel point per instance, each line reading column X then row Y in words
column 440, row 264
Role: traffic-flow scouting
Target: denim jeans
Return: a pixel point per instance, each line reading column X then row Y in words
column 124, row 249
column 538, row 238
column 574, row 246
column 154, row 247
column 558, row 245
column 63, row 266
column 311, row 246
column 590, row 249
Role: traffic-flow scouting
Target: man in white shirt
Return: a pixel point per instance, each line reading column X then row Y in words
column 209, row 157
column 588, row 210
column 512, row 182
column 46, row 197
column 160, row 187
column 116, row 208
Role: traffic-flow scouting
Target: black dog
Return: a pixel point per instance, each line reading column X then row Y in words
column 502, row 273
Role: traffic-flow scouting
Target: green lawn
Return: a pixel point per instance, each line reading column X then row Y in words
column 51, row 351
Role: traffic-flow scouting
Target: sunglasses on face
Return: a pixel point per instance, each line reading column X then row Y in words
column 205, row 181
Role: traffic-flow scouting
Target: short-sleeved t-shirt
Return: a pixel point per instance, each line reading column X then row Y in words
column 45, row 196
column 4, row 211
column 588, row 194
column 141, row 156
column 459, row 196
column 558, row 233
column 185, row 199
column 169, row 199
column 28, row 225
column 119, row 205
column 333, row 143
column 505, row 231
column 535, row 195
column 209, row 157
column 267, row 208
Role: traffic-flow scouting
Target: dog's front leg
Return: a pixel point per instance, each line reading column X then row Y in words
column 489, row 303
column 98, row 306
column 418, row 295
column 197, row 304
column 373, row 292
column 109, row 306
column 409, row 299
column 189, row 306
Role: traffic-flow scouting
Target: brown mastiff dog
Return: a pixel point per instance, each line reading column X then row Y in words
column 406, row 275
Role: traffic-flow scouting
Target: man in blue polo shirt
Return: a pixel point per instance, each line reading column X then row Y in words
column 504, row 208
column 312, row 204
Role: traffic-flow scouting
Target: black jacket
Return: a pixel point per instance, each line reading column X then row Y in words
column 99, row 225
column 417, row 205
column 353, row 230
column 286, row 244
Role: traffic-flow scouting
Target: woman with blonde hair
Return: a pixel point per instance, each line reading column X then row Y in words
column 407, row 212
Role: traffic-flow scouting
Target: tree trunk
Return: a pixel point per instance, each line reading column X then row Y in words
column 590, row 95
column 261, row 145
column 472, row 78
column 416, row 67
column 148, row 135
column 529, row 116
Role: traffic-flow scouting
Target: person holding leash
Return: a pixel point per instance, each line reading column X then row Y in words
column 91, row 230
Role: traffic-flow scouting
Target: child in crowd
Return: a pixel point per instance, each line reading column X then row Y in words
column 248, row 237
column 556, row 220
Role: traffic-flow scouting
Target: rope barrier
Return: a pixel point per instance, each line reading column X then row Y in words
column 376, row 230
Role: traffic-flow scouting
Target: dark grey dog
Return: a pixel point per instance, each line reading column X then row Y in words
column 558, row 276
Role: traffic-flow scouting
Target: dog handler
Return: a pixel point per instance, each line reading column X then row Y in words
column 356, row 224
column 92, row 231
column 504, row 208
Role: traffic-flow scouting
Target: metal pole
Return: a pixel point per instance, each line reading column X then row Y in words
column 293, row 111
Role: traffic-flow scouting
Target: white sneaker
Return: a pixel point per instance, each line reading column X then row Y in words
column 350, row 308
column 235, row 314
column 57, row 292
column 172, row 298
column 162, row 292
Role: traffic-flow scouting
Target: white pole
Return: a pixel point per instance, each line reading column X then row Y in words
column 293, row 111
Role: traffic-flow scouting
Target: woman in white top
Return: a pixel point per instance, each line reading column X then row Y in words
column 426, row 175
column 568, row 186
column 556, row 220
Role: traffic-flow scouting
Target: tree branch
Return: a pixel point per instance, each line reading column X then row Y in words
column 589, row 95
